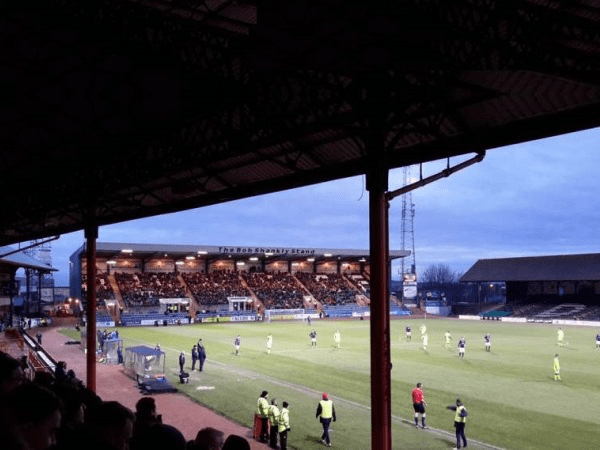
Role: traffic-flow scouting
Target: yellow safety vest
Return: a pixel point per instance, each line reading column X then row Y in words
column 262, row 407
column 458, row 417
column 273, row 415
column 326, row 409
column 283, row 423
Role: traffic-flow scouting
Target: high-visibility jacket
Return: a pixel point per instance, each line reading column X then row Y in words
column 326, row 409
column 273, row 415
column 556, row 366
column 283, row 423
column 262, row 407
column 461, row 414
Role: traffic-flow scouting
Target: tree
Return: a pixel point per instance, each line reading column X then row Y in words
column 439, row 275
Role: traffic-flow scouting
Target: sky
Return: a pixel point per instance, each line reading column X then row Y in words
column 531, row 199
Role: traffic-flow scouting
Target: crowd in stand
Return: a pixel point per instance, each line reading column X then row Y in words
column 144, row 289
column 276, row 290
column 104, row 290
column 330, row 289
column 213, row 288
column 59, row 412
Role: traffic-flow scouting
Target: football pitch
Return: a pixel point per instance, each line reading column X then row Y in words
column 510, row 392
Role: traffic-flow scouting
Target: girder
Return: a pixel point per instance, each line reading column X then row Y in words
column 129, row 108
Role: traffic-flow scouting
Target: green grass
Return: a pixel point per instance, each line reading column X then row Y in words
column 510, row 394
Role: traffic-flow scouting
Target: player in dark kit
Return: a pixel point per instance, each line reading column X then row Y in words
column 313, row 338
column 461, row 347
column 408, row 334
column 488, row 342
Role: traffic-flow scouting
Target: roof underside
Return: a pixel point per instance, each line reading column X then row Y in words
column 113, row 250
column 17, row 258
column 122, row 109
column 584, row 267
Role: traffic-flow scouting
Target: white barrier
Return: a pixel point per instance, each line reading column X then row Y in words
column 513, row 319
column 585, row 323
column 246, row 318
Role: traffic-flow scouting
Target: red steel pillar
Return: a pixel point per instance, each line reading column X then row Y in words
column 91, row 234
column 381, row 402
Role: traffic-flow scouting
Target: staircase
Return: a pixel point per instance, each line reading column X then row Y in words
column 194, row 307
column 118, row 297
column 258, row 305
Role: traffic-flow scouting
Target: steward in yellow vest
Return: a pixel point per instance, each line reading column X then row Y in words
column 273, row 422
column 262, row 411
column 283, row 424
column 460, row 419
column 325, row 414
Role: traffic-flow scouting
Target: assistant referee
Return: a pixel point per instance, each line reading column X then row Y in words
column 418, row 399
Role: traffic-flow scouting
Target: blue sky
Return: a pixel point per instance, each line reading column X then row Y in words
column 536, row 198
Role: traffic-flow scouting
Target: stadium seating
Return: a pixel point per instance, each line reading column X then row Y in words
column 275, row 290
column 329, row 289
column 212, row 289
column 104, row 289
column 144, row 289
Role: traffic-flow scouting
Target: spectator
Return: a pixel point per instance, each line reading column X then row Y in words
column 110, row 426
column 71, row 434
column 32, row 417
column 11, row 374
column 161, row 437
column 235, row 442
column 209, row 439
column 61, row 372
column 145, row 417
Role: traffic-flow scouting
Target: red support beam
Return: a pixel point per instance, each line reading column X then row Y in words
column 381, row 400
column 91, row 234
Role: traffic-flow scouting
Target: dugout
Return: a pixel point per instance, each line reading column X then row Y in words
column 143, row 362
column 110, row 348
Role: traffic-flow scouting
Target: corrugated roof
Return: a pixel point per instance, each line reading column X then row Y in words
column 584, row 267
column 186, row 105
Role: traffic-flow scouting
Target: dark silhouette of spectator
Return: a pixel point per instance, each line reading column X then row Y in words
column 72, row 378
column 43, row 378
column 161, row 437
column 11, row 374
column 209, row 439
column 71, row 434
column 61, row 372
column 31, row 416
column 110, row 426
column 235, row 442
column 145, row 417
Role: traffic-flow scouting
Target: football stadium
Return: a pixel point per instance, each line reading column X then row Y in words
column 118, row 110
column 161, row 300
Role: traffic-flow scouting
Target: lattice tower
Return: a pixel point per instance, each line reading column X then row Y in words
column 408, row 227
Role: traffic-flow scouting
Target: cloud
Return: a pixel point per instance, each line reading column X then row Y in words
column 535, row 198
